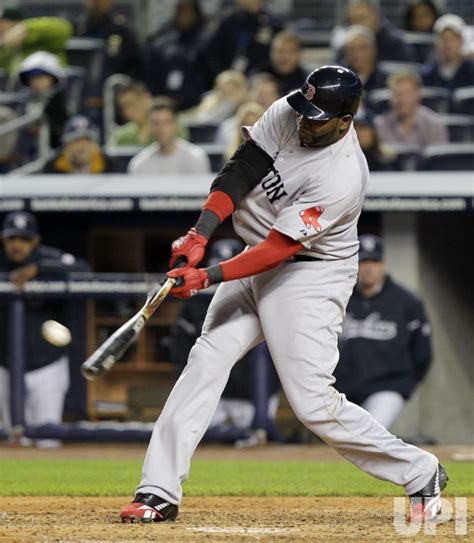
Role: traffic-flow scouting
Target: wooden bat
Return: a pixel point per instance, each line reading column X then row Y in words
column 102, row 359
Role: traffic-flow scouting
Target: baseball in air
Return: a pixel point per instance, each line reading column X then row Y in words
column 55, row 333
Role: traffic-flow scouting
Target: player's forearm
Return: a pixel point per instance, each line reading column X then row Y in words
column 241, row 173
column 263, row 257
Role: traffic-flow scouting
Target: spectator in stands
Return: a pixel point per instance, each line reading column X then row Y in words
column 174, row 61
column 360, row 52
column 232, row 420
column 390, row 44
column 243, row 38
column 20, row 37
column 409, row 122
column 385, row 347
column 285, row 62
column 229, row 92
column 264, row 89
column 451, row 70
column 420, row 16
column 8, row 141
column 123, row 53
column 134, row 101
column 229, row 133
column 169, row 154
column 81, row 152
column 377, row 157
column 24, row 258
column 42, row 74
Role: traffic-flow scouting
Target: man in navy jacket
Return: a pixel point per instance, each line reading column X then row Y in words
column 385, row 347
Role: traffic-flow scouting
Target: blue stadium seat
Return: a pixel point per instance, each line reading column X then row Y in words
column 88, row 53
column 422, row 43
column 76, row 78
column 453, row 156
column 460, row 127
column 202, row 132
column 463, row 100
column 407, row 156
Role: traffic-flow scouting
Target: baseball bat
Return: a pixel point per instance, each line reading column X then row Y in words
column 103, row 358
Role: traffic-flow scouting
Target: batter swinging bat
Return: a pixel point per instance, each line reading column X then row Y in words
column 113, row 348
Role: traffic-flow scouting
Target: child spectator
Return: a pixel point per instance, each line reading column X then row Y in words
column 81, row 152
column 134, row 101
column 44, row 78
column 169, row 154
column 285, row 62
column 230, row 91
column 264, row 90
column 451, row 70
column 408, row 122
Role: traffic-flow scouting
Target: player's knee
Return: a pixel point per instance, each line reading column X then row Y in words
column 315, row 412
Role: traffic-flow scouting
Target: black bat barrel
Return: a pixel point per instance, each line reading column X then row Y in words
column 113, row 348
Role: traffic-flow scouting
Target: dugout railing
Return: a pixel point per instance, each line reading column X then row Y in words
column 79, row 287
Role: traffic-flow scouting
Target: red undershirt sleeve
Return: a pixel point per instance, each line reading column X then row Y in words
column 263, row 257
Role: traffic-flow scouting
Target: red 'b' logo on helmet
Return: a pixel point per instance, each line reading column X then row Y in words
column 309, row 92
column 310, row 217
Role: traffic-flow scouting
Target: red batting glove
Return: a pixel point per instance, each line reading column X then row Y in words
column 192, row 246
column 192, row 280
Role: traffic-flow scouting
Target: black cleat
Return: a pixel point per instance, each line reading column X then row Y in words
column 148, row 508
column 426, row 504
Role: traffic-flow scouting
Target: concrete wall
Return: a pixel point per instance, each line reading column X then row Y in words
column 432, row 254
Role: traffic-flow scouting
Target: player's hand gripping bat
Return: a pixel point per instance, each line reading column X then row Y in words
column 102, row 359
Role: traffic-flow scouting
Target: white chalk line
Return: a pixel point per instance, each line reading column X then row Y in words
column 239, row 530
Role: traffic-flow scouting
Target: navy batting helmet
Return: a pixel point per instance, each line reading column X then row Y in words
column 329, row 91
column 224, row 249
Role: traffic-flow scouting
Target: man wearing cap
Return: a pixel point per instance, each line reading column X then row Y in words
column 23, row 258
column 81, row 152
column 385, row 342
column 451, row 70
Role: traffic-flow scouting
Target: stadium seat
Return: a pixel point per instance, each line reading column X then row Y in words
column 216, row 155
column 15, row 100
column 461, row 127
column 407, row 156
column 122, row 154
column 111, row 85
column 202, row 133
column 435, row 98
column 89, row 54
column 392, row 67
column 463, row 100
column 453, row 156
column 76, row 78
column 422, row 43
column 3, row 79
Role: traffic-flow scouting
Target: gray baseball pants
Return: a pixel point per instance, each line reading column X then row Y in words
column 298, row 307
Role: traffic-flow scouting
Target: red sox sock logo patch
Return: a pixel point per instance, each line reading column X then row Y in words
column 310, row 217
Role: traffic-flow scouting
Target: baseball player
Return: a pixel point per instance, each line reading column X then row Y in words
column 295, row 188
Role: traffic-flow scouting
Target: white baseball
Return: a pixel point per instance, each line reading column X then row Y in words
column 55, row 333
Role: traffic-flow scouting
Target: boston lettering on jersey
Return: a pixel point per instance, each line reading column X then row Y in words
column 274, row 186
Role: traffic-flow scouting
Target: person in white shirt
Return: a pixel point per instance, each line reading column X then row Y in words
column 169, row 154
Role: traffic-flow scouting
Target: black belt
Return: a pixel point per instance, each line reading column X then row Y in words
column 306, row 258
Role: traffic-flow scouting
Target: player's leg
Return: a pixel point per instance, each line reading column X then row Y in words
column 230, row 329
column 384, row 406
column 46, row 390
column 303, row 346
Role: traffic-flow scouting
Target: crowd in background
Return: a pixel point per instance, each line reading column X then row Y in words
column 199, row 79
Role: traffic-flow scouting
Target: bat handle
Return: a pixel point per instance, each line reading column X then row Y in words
column 181, row 262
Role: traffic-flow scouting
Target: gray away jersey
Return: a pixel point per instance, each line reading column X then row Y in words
column 314, row 196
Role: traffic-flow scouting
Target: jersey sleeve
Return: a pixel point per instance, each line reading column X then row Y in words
column 317, row 210
column 267, row 132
